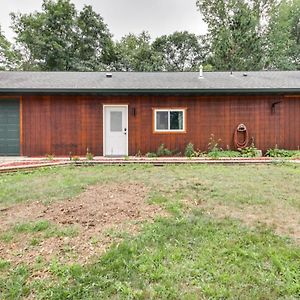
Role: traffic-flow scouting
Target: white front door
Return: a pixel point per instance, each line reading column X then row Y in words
column 115, row 130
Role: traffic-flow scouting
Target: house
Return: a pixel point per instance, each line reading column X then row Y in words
column 123, row 113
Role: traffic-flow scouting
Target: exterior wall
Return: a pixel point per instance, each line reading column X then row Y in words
column 63, row 124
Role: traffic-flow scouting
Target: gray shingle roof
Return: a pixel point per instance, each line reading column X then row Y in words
column 142, row 81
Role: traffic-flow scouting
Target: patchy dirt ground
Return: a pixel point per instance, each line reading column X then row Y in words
column 96, row 212
column 283, row 220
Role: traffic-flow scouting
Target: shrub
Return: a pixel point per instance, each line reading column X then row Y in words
column 250, row 151
column 151, row 154
column 163, row 151
column 189, row 150
column 199, row 153
column 213, row 147
column 213, row 144
column 89, row 156
column 282, row 153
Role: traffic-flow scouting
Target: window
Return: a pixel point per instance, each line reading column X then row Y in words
column 169, row 120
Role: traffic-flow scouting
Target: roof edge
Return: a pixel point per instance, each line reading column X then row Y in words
column 148, row 91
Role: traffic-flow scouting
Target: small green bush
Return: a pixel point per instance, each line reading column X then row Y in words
column 250, row 151
column 213, row 144
column 213, row 147
column 282, row 153
column 163, row 151
column 151, row 154
column 189, row 150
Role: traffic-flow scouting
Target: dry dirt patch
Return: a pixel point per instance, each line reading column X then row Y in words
column 283, row 220
column 100, row 208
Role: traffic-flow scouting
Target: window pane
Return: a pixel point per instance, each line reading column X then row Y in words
column 176, row 120
column 115, row 121
column 162, row 120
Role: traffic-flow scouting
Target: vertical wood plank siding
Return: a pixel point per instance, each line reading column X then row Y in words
column 62, row 124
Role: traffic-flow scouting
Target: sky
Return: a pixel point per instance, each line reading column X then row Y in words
column 158, row 17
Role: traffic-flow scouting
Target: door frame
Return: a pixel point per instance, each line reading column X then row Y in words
column 104, row 127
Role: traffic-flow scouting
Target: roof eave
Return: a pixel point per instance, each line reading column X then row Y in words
column 148, row 91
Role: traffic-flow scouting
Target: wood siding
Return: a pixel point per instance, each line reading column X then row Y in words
column 63, row 124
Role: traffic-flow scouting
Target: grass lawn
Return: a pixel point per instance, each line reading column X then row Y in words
column 229, row 232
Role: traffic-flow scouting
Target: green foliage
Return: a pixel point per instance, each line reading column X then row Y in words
column 213, row 144
column 189, row 150
column 250, row 151
column 235, row 32
column 213, row 147
column 39, row 230
column 4, row 264
column 282, row 153
column 60, row 39
column 9, row 57
column 135, row 53
column 252, row 35
column 50, row 184
column 283, row 36
column 226, row 153
column 151, row 154
column 187, row 255
column 6, row 237
column 180, row 51
column 163, row 151
column 163, row 261
column 31, row 227
column 242, row 35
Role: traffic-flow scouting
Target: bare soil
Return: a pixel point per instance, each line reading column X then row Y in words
column 96, row 212
column 284, row 220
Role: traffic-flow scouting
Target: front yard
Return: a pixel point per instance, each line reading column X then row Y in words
column 146, row 232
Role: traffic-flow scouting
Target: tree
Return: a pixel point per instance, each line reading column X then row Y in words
column 60, row 39
column 94, row 45
column 8, row 56
column 284, row 36
column 236, row 32
column 135, row 53
column 180, row 51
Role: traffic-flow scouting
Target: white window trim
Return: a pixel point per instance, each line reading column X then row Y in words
column 169, row 111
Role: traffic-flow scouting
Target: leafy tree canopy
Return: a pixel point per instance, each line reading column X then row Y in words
column 236, row 32
column 9, row 58
column 242, row 35
column 284, row 36
column 60, row 38
column 135, row 53
column 180, row 51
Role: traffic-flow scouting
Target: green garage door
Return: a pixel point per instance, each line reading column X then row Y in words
column 9, row 127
